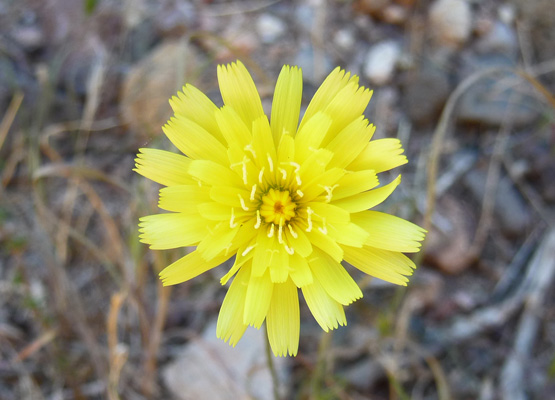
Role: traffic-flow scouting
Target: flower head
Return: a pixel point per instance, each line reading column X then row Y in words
column 289, row 201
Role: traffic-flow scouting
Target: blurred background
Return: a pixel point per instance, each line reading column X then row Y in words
column 467, row 85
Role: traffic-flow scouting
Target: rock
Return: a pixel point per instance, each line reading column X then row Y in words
column 510, row 209
column 344, row 39
column 208, row 368
column 425, row 93
column 449, row 245
column 450, row 22
column 270, row 28
column 150, row 83
column 380, row 62
column 495, row 98
column 371, row 6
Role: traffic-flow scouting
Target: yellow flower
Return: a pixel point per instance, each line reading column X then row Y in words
column 289, row 201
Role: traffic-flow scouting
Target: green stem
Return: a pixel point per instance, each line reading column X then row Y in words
column 271, row 366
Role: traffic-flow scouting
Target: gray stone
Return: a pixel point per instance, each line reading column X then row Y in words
column 497, row 99
column 380, row 62
column 270, row 28
column 510, row 208
column 450, row 21
column 500, row 38
column 208, row 368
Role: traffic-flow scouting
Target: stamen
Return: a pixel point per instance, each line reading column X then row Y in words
column 271, row 233
column 245, row 181
column 258, row 220
column 248, row 250
column 283, row 173
column 296, row 166
column 227, row 248
column 329, row 190
column 309, row 218
column 323, row 228
column 232, row 223
column 261, row 175
column 243, row 205
column 270, row 162
column 253, row 192
column 280, row 230
column 289, row 250
column 293, row 233
column 250, row 149
column 301, row 194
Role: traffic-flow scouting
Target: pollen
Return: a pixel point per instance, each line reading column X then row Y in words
column 277, row 207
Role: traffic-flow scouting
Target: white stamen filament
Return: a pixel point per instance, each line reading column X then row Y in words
column 248, row 250
column 329, row 190
column 232, row 223
column 283, row 173
column 288, row 249
column 293, row 233
column 271, row 163
column 250, row 149
column 323, row 228
column 271, row 233
column 243, row 205
column 309, row 218
column 253, row 192
column 301, row 194
column 280, row 230
column 261, row 175
column 258, row 220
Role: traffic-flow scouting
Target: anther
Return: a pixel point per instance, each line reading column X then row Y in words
column 271, row 233
column 301, row 194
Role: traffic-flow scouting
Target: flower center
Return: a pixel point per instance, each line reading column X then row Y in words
column 277, row 207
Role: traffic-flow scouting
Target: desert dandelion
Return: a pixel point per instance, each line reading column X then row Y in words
column 289, row 201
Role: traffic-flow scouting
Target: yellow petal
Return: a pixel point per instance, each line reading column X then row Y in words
column 214, row 174
column 286, row 104
column 217, row 241
column 188, row 267
column 388, row 232
column 194, row 141
column 257, row 303
column 163, row 167
column 364, row 201
column 310, row 136
column 300, row 243
column 192, row 104
column 262, row 142
column 325, row 243
column 335, row 280
column 169, row 231
column 348, row 234
column 183, row 198
column 332, row 85
column 236, row 133
column 300, row 271
column 380, row 155
column 346, row 106
column 386, row 265
column 283, row 320
column 238, row 91
column 326, row 311
column 230, row 320
column 355, row 182
column 350, row 141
